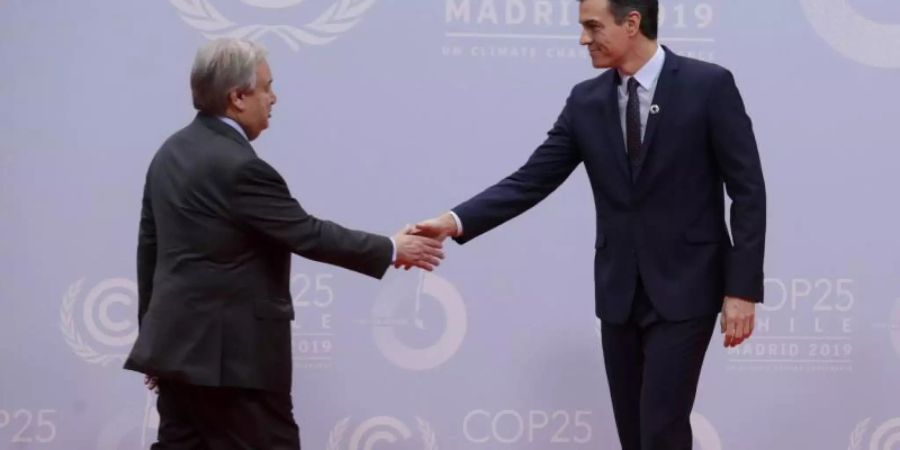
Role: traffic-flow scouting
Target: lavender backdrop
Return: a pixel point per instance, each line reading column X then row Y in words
column 391, row 111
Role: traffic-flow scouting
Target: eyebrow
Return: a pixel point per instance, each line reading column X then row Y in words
column 590, row 22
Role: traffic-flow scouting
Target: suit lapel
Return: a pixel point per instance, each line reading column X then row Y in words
column 664, row 88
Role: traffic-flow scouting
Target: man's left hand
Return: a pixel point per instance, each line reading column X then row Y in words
column 738, row 320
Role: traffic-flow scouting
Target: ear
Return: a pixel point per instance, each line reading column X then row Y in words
column 236, row 100
column 633, row 23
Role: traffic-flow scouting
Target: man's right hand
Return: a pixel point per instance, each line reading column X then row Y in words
column 419, row 251
column 440, row 227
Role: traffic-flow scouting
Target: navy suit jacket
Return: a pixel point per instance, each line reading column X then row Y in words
column 665, row 219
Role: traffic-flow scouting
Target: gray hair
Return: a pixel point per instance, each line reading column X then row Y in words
column 222, row 66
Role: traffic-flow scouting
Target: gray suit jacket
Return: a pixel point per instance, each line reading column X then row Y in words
column 217, row 229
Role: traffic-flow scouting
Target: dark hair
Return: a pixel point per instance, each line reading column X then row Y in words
column 649, row 10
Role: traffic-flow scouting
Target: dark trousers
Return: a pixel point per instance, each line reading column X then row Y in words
column 653, row 367
column 221, row 418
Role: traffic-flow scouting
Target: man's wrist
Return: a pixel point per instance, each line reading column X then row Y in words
column 457, row 224
column 393, row 250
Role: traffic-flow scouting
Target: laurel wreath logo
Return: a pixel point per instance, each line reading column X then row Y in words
column 73, row 337
column 337, row 19
column 429, row 438
column 336, row 436
column 858, row 435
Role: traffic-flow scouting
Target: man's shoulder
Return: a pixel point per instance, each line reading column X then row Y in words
column 196, row 140
column 697, row 68
column 592, row 84
column 200, row 151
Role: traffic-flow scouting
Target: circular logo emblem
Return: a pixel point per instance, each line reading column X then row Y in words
column 885, row 437
column 854, row 35
column 431, row 289
column 380, row 429
column 103, row 316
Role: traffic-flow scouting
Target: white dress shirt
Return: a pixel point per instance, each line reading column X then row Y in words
column 647, row 78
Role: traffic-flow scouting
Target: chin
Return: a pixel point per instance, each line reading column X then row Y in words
column 600, row 60
column 601, row 63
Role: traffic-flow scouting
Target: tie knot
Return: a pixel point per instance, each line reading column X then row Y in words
column 633, row 84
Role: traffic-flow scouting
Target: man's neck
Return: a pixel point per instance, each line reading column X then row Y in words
column 242, row 130
column 231, row 115
column 638, row 58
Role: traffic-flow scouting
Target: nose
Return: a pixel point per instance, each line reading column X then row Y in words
column 274, row 98
column 586, row 38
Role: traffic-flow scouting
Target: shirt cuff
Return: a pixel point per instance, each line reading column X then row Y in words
column 459, row 228
column 393, row 250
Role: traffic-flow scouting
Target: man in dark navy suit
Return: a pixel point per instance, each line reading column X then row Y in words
column 659, row 135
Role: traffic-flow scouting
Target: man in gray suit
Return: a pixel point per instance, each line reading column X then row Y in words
column 218, row 226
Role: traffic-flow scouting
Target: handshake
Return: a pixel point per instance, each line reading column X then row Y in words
column 421, row 245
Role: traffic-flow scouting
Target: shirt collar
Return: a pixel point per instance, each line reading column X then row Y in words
column 649, row 73
column 235, row 125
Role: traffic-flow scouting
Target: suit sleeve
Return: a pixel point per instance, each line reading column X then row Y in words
column 547, row 168
column 735, row 149
column 261, row 201
column 146, row 252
